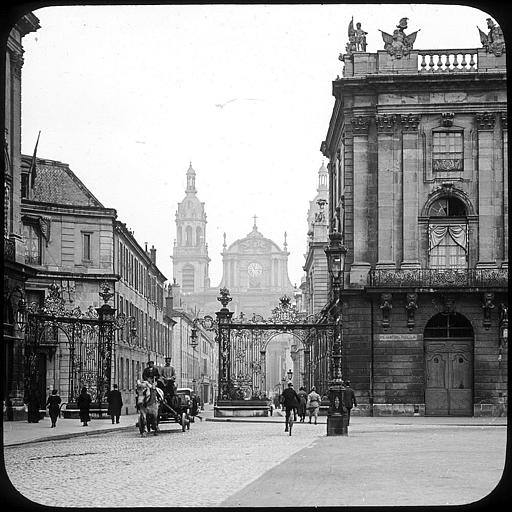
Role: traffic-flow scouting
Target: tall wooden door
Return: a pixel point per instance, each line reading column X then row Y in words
column 449, row 377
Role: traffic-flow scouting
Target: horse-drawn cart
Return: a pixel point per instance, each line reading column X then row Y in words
column 157, row 404
column 175, row 407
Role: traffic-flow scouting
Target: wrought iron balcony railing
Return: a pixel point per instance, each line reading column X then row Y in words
column 438, row 278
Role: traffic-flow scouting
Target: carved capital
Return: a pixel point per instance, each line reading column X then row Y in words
column 504, row 124
column 409, row 122
column 447, row 118
column 360, row 124
column 445, row 304
column 385, row 122
column 485, row 120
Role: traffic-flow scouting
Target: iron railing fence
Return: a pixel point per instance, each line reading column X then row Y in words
column 438, row 278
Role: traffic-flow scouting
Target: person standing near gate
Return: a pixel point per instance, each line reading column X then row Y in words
column 313, row 404
column 53, row 404
column 115, row 402
column 84, row 404
column 303, row 399
column 350, row 398
column 290, row 401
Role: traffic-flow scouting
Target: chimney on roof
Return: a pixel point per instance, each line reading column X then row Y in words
column 153, row 254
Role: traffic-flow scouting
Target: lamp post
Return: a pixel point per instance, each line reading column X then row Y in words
column 193, row 343
column 337, row 414
column 290, row 375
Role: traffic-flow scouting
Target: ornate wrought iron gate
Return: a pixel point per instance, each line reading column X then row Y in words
column 243, row 342
column 87, row 335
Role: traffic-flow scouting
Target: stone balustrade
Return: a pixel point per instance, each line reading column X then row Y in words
column 447, row 61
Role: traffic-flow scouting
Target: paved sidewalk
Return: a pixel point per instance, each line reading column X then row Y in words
column 22, row 432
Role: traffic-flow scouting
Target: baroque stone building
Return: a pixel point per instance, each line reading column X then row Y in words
column 255, row 269
column 418, row 170
column 16, row 272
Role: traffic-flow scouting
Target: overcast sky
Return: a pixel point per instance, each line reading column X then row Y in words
column 129, row 95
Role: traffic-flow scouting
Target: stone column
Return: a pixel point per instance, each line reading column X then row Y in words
column 504, row 128
column 361, row 175
column 387, row 166
column 410, row 195
column 485, row 122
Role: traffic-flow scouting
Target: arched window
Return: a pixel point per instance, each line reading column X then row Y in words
column 447, row 232
column 188, row 235
column 452, row 325
column 198, row 236
column 180, row 235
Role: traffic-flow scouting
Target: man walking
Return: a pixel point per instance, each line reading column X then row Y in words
column 290, row 401
column 350, row 398
column 115, row 402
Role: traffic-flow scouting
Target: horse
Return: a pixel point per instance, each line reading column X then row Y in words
column 148, row 398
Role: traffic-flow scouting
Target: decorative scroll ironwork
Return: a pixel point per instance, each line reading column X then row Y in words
column 438, row 278
column 88, row 336
column 243, row 341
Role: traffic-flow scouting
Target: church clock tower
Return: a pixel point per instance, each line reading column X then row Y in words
column 190, row 252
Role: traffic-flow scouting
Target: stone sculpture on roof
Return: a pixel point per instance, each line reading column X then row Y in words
column 493, row 42
column 356, row 38
column 399, row 44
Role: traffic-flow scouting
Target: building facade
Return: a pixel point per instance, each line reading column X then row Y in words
column 418, row 187
column 140, row 295
column 16, row 272
column 77, row 246
column 195, row 349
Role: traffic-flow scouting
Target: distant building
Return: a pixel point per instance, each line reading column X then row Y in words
column 315, row 286
column 255, row 269
column 417, row 147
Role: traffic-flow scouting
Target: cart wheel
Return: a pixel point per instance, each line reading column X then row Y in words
column 183, row 422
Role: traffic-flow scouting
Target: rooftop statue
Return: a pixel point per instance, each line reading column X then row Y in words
column 399, row 44
column 356, row 39
column 493, row 42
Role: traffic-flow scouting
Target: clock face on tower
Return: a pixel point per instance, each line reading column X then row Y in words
column 254, row 269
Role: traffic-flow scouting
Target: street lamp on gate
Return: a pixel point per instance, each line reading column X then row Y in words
column 337, row 415
column 290, row 374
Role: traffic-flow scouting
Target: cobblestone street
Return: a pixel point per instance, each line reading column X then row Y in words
column 388, row 461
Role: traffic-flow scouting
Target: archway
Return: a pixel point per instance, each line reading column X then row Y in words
column 283, row 352
column 448, row 343
column 243, row 343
